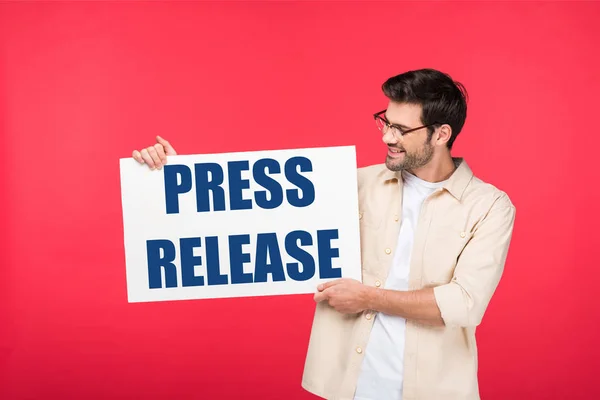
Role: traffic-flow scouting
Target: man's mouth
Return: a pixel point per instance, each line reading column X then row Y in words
column 395, row 153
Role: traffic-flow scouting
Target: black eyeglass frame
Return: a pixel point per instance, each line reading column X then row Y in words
column 377, row 116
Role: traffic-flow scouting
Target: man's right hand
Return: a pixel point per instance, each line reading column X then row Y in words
column 155, row 156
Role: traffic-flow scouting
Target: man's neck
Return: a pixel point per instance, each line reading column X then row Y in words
column 437, row 170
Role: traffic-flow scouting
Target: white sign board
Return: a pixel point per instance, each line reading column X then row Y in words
column 240, row 224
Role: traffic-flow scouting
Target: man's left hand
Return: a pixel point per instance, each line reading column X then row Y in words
column 347, row 296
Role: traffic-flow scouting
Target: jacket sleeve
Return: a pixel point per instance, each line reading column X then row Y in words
column 463, row 301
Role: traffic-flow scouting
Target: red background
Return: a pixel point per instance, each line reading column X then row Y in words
column 82, row 85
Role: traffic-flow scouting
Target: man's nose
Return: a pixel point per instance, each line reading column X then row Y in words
column 389, row 138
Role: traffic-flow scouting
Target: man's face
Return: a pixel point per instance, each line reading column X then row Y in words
column 413, row 150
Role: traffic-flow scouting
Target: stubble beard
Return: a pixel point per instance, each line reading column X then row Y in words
column 411, row 161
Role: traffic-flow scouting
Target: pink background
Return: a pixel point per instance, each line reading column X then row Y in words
column 83, row 84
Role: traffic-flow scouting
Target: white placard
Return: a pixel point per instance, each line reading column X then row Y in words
column 240, row 224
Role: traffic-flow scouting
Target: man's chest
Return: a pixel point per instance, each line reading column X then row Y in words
column 437, row 230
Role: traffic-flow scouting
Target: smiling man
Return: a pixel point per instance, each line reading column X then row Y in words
column 434, row 240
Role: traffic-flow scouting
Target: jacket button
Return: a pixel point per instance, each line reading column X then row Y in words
column 463, row 234
column 388, row 251
column 377, row 283
column 358, row 350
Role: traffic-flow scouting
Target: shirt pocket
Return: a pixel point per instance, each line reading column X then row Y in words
column 443, row 248
column 370, row 224
column 368, row 218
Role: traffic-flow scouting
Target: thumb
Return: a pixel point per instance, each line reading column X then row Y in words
column 169, row 150
column 320, row 296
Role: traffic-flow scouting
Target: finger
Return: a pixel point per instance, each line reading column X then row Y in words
column 138, row 157
column 169, row 150
column 333, row 303
column 320, row 296
column 161, row 153
column 147, row 158
column 155, row 157
column 329, row 284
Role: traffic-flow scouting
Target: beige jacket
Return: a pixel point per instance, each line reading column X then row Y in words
column 460, row 248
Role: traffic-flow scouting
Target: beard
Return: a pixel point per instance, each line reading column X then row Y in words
column 411, row 160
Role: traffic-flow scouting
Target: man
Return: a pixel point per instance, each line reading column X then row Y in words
column 434, row 240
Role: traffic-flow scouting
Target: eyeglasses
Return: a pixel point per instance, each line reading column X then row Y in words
column 383, row 125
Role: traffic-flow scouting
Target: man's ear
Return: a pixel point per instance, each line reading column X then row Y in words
column 444, row 133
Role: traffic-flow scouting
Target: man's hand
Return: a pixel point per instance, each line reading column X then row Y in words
column 347, row 296
column 155, row 156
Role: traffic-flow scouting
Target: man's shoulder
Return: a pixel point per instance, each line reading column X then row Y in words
column 478, row 190
column 372, row 173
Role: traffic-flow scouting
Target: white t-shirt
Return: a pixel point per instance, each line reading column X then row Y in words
column 382, row 370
